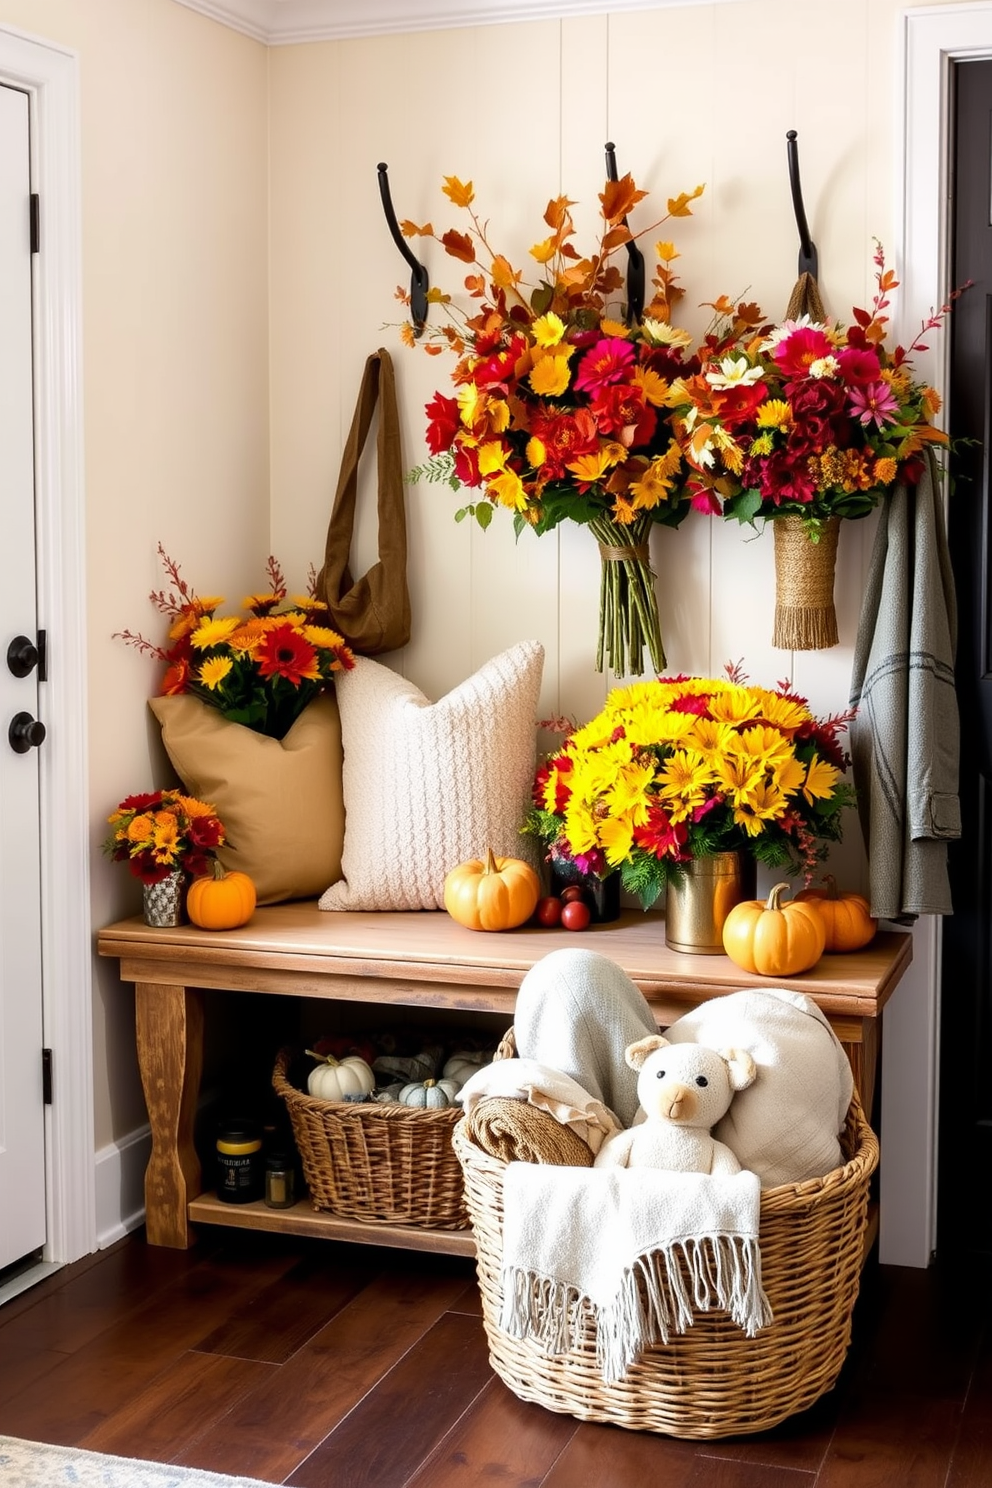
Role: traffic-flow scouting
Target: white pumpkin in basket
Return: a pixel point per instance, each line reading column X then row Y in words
column 430, row 1095
column 464, row 1063
column 340, row 1079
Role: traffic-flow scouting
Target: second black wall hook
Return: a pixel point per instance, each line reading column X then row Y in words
column 420, row 280
column 635, row 258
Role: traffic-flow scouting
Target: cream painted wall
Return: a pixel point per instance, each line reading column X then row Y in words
column 173, row 133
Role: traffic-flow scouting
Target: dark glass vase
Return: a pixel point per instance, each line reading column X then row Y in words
column 602, row 894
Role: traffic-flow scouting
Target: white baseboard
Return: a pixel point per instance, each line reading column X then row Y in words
column 120, row 1186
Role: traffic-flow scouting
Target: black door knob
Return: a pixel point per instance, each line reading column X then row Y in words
column 25, row 733
column 22, row 656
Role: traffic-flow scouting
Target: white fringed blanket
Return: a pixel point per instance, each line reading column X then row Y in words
column 647, row 1249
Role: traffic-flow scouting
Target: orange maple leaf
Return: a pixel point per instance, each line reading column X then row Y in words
column 678, row 206
column 620, row 197
column 461, row 193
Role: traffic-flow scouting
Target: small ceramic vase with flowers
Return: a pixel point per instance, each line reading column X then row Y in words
column 166, row 839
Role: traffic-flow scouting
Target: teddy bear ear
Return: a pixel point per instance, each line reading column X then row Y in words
column 635, row 1054
column 743, row 1070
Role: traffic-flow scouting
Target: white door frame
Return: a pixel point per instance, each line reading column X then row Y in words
column 931, row 39
column 49, row 75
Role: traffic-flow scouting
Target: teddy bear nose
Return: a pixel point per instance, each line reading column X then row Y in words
column 679, row 1102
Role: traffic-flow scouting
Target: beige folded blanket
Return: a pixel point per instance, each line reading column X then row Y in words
column 546, row 1088
column 516, row 1131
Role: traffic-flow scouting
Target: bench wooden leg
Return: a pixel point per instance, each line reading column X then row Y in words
column 864, row 1062
column 169, row 1031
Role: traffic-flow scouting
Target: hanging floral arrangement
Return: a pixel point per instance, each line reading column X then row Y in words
column 805, row 424
column 560, row 408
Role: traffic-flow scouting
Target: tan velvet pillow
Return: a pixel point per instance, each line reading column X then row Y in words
column 280, row 799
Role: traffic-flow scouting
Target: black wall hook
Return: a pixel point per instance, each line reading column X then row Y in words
column 808, row 263
column 420, row 281
column 635, row 258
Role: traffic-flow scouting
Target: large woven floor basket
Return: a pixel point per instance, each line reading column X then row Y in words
column 379, row 1163
column 711, row 1381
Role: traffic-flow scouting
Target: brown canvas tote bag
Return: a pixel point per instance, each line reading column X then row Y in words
column 373, row 612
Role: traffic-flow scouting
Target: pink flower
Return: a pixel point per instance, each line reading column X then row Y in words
column 797, row 352
column 704, row 499
column 858, row 366
column 874, row 403
column 607, row 362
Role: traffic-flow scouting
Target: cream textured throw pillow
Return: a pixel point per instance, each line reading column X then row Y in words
column 785, row 1126
column 429, row 785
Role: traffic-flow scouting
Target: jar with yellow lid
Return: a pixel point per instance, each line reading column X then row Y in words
column 240, row 1170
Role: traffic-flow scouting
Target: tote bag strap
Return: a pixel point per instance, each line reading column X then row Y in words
column 373, row 612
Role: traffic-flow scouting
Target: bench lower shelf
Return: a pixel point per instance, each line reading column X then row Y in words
column 303, row 1219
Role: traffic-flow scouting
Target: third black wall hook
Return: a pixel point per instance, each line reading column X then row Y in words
column 808, row 263
column 420, row 280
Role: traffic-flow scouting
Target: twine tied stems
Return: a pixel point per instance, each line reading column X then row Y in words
column 620, row 555
column 628, row 607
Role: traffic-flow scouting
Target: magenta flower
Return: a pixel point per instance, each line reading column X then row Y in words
column 873, row 403
column 609, row 361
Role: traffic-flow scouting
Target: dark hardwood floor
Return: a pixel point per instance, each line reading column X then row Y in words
column 332, row 1366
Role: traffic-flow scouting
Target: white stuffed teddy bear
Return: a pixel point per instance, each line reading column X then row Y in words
column 684, row 1089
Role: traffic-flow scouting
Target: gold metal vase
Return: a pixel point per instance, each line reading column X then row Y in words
column 699, row 901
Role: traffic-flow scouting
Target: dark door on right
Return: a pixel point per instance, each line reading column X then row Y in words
column 965, row 1148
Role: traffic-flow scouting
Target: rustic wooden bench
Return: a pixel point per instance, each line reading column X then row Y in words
column 410, row 960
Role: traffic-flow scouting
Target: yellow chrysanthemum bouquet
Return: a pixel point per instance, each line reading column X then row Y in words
column 686, row 767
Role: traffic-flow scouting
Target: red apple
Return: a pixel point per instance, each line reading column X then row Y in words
column 548, row 911
column 575, row 915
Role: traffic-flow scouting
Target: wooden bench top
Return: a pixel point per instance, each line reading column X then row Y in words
column 298, row 947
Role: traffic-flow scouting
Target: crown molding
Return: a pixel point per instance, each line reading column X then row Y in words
column 289, row 22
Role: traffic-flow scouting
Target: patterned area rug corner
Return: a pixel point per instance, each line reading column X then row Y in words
column 28, row 1464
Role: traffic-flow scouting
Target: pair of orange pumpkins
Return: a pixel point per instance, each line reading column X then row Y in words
column 784, row 937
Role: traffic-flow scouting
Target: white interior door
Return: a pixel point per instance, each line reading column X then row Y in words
column 22, row 1126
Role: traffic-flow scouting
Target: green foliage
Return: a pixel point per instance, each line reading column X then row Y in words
column 482, row 511
column 436, row 469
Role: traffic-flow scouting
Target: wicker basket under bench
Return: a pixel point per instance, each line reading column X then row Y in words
column 381, row 1163
column 711, row 1381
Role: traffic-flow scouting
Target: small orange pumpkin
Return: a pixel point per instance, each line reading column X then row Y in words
column 847, row 918
column 498, row 894
column 774, row 938
column 221, row 902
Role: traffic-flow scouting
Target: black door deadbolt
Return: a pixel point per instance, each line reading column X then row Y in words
column 22, row 656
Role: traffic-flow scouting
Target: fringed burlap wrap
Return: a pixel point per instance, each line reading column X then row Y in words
column 805, row 300
column 805, row 618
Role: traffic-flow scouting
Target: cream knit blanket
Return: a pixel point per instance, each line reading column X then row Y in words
column 647, row 1249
